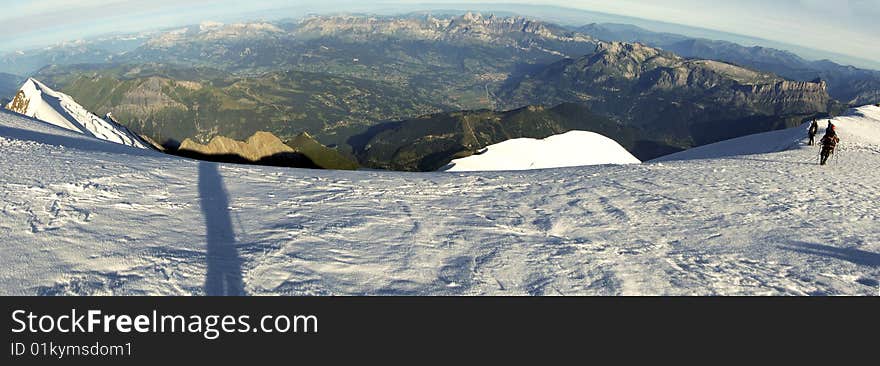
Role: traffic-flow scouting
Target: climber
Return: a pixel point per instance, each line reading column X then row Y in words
column 829, row 143
column 814, row 129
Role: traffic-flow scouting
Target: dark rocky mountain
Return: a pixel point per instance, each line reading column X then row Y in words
column 322, row 156
column 430, row 142
column 660, row 91
column 847, row 84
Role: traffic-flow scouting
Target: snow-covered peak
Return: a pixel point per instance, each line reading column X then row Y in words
column 575, row 148
column 37, row 100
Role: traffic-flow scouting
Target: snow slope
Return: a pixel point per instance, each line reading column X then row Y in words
column 80, row 216
column 859, row 130
column 574, row 148
column 61, row 110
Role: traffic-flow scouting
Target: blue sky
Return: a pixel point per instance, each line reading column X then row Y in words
column 848, row 27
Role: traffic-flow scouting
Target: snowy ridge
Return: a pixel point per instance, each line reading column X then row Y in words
column 859, row 127
column 574, row 148
column 37, row 100
column 87, row 217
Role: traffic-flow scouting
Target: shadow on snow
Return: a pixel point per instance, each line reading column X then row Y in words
column 223, row 276
column 855, row 256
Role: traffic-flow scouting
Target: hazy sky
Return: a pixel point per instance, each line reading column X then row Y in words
column 843, row 26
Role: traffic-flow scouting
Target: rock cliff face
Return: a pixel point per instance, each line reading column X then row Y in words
column 788, row 97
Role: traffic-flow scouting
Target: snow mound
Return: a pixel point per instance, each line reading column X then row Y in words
column 858, row 127
column 575, row 148
column 37, row 100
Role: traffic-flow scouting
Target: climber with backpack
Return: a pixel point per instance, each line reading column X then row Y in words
column 829, row 143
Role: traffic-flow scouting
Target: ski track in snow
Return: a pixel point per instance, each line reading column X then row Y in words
column 83, row 217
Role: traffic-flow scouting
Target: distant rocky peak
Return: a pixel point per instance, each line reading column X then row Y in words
column 472, row 17
column 486, row 28
column 209, row 25
column 635, row 51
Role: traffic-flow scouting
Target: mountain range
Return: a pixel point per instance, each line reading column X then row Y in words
column 342, row 78
column 702, row 100
column 533, row 136
column 847, row 84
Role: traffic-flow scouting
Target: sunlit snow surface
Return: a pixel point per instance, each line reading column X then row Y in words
column 80, row 216
column 574, row 148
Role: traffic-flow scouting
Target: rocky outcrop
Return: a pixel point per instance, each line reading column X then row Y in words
column 257, row 147
column 264, row 148
column 153, row 143
column 19, row 104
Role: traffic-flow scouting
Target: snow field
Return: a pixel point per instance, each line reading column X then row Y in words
column 84, row 217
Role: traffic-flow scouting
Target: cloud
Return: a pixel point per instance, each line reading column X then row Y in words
column 37, row 16
column 848, row 27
